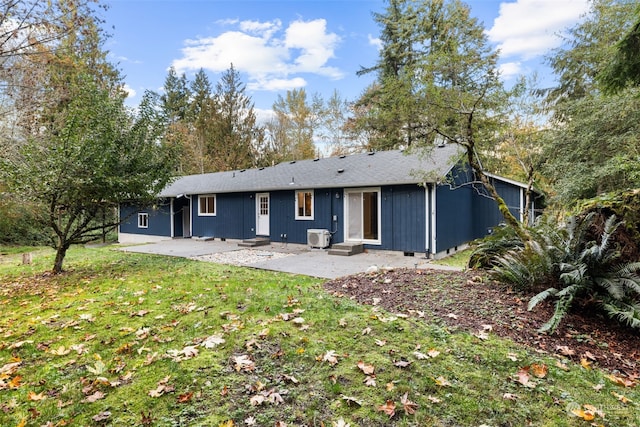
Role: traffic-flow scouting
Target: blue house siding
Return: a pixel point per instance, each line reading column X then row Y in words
column 234, row 218
column 404, row 219
column 159, row 223
column 283, row 222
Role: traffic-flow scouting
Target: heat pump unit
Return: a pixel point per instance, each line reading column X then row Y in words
column 318, row 238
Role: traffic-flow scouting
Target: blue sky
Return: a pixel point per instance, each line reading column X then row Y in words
column 291, row 44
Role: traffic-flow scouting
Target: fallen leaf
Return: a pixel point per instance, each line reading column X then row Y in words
column 251, row 421
column 342, row 322
column 381, row 343
column 35, row 397
column 539, row 370
column 340, row 423
column 401, row 363
column 366, row 368
column 510, row 396
column 512, row 356
column 60, row 351
column 390, row 386
column 621, row 381
column 94, row 397
column 370, row 381
column 621, row 398
column 522, row 376
column 331, row 357
column 290, row 378
column 433, row 353
column 408, row 406
column 228, row 423
column 433, row 399
column 102, row 416
column 452, row 316
column 420, row 356
column 13, row 382
column 442, row 381
column 565, row 350
column 212, row 341
column 366, row 331
column 585, row 363
column 388, row 408
column 186, row 397
column 351, row 400
column 243, row 363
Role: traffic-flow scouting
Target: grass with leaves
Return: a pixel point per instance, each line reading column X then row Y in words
column 130, row 339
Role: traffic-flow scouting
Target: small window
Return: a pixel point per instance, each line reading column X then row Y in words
column 143, row 220
column 304, row 204
column 207, row 205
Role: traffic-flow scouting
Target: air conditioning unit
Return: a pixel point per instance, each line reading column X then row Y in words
column 318, row 238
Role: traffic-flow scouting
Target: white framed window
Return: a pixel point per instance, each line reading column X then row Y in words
column 143, row 220
column 304, row 204
column 207, row 205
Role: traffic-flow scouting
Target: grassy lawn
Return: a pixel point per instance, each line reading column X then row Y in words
column 132, row 339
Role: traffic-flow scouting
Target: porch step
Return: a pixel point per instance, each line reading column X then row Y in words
column 346, row 249
column 252, row 243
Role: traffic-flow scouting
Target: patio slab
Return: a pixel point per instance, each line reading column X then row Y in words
column 301, row 259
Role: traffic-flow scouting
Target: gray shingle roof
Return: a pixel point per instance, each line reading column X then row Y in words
column 358, row 170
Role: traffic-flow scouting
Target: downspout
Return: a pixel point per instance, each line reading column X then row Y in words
column 172, row 218
column 434, row 248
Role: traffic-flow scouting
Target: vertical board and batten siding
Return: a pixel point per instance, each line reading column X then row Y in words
column 466, row 212
column 403, row 219
column 325, row 206
column 235, row 217
column 159, row 223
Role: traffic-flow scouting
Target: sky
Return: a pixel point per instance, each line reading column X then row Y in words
column 318, row 45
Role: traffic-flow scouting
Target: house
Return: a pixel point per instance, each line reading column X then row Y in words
column 386, row 200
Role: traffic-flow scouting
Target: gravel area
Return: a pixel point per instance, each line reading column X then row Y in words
column 242, row 257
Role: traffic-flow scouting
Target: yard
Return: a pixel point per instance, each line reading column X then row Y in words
column 131, row 339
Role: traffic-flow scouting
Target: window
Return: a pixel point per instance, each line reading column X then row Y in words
column 362, row 212
column 304, row 204
column 207, row 205
column 143, row 220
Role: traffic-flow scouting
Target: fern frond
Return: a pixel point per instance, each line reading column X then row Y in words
column 613, row 286
column 624, row 312
column 561, row 309
column 537, row 299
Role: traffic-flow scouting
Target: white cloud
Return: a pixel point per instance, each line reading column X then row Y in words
column 270, row 54
column 510, row 69
column 529, row 28
column 375, row 41
column 131, row 93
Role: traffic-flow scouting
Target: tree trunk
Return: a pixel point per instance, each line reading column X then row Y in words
column 502, row 206
column 61, row 252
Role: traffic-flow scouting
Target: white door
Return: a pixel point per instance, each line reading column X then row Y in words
column 262, row 217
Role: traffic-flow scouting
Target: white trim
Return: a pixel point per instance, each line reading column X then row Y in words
column 263, row 228
column 171, row 218
column 313, row 197
column 143, row 223
column 215, row 205
column 433, row 248
column 346, row 192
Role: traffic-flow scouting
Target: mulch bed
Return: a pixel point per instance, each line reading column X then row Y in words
column 468, row 301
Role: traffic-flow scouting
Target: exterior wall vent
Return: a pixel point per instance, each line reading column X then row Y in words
column 318, row 238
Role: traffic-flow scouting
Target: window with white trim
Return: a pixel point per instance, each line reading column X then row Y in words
column 207, row 205
column 304, row 204
column 143, row 220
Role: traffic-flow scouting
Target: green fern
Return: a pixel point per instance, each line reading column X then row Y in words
column 580, row 264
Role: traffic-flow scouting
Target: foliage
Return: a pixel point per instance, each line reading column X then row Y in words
column 438, row 80
column 582, row 263
column 210, row 130
column 594, row 147
column 80, row 151
column 118, row 341
column 624, row 68
column 486, row 250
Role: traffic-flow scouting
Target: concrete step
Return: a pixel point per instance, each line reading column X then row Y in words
column 346, row 249
column 252, row 243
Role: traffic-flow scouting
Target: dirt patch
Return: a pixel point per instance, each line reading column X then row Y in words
column 468, row 301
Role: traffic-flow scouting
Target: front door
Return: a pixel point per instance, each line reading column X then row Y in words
column 262, row 217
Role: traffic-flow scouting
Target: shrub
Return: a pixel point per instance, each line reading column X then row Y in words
column 578, row 260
